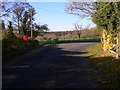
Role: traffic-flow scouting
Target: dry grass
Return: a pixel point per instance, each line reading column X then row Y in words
column 106, row 64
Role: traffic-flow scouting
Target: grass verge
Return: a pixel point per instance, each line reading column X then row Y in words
column 107, row 66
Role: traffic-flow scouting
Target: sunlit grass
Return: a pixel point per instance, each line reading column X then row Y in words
column 77, row 40
column 95, row 50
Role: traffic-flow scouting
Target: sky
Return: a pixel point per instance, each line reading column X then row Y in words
column 53, row 14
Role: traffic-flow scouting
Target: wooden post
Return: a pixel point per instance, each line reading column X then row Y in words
column 117, row 47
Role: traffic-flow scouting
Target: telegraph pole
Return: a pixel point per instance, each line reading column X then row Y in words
column 31, row 25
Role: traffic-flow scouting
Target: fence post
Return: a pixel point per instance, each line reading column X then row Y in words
column 118, row 46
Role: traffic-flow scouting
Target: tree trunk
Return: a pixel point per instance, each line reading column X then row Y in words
column 79, row 35
column 18, row 26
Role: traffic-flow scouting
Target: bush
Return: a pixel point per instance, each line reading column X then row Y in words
column 13, row 46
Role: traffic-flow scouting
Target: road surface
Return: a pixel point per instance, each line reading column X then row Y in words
column 58, row 66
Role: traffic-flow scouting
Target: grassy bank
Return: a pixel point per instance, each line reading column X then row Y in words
column 16, row 47
column 107, row 66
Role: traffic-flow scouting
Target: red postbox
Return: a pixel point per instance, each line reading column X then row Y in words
column 25, row 38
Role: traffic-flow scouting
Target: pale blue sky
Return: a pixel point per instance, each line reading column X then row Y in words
column 53, row 14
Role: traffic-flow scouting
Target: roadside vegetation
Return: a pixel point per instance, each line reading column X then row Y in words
column 107, row 66
column 13, row 46
column 107, row 19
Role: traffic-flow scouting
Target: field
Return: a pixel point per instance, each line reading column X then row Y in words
column 78, row 40
column 74, row 40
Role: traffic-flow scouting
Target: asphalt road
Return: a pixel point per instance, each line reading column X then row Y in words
column 58, row 66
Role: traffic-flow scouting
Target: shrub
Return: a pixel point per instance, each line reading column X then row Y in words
column 107, row 41
column 12, row 45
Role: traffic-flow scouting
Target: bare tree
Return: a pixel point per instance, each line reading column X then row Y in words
column 2, row 25
column 78, row 29
column 82, row 9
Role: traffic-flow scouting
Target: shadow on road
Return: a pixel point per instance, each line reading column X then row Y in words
column 53, row 67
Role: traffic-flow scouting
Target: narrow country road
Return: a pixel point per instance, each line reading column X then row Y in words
column 58, row 66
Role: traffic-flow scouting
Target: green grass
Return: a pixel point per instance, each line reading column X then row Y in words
column 95, row 50
column 75, row 40
column 47, row 42
column 107, row 65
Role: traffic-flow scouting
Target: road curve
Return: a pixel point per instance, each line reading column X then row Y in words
column 58, row 66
